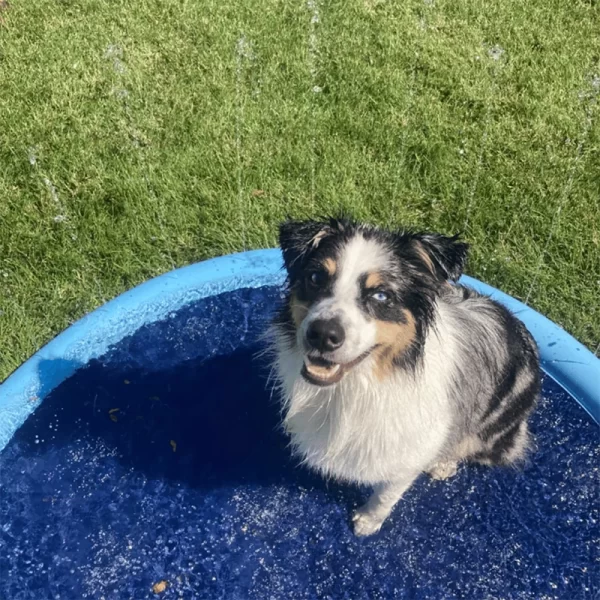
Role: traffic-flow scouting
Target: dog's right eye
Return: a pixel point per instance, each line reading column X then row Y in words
column 317, row 278
column 380, row 296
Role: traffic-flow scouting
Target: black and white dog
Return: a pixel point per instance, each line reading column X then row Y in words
column 388, row 370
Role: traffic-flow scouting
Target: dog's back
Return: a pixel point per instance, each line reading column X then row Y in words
column 497, row 378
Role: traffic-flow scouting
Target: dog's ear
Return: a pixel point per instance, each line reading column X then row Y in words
column 298, row 238
column 444, row 256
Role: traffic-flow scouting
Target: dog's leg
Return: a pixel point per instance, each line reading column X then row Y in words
column 444, row 469
column 369, row 518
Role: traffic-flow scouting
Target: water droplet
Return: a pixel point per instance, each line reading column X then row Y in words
column 496, row 52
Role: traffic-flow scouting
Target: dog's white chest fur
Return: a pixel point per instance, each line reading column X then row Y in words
column 363, row 429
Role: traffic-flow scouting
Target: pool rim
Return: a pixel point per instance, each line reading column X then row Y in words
column 563, row 358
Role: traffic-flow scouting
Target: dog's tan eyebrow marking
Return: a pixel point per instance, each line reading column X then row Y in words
column 373, row 280
column 330, row 266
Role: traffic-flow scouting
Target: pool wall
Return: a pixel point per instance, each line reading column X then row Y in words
column 565, row 359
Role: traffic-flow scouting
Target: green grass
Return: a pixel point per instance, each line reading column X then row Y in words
column 150, row 125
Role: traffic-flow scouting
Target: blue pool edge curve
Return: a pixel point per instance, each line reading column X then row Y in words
column 563, row 358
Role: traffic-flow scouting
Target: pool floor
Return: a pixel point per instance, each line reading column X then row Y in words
column 159, row 471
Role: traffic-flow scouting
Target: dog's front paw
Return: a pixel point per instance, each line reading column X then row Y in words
column 366, row 523
column 443, row 470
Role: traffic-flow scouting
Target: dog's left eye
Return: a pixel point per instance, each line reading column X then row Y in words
column 317, row 278
column 380, row 296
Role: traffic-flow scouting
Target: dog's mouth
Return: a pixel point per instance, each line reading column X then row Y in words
column 320, row 371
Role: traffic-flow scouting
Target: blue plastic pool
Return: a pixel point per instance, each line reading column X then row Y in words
column 142, row 458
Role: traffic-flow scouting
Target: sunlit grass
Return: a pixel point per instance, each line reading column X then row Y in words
column 137, row 137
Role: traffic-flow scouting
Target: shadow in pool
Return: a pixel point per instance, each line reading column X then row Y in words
column 204, row 422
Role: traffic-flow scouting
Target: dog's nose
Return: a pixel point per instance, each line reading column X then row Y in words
column 325, row 335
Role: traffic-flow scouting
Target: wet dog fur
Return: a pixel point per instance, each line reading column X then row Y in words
column 387, row 368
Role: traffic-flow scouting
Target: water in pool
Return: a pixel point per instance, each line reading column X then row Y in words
column 159, row 471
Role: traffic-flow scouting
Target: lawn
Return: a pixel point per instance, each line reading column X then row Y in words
column 136, row 137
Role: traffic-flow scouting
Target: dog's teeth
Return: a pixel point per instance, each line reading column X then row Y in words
column 322, row 372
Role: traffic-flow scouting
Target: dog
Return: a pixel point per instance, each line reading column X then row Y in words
column 388, row 368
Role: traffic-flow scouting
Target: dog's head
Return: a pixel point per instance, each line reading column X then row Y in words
column 358, row 291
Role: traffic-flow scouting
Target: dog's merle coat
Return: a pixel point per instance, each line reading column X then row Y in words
column 387, row 369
